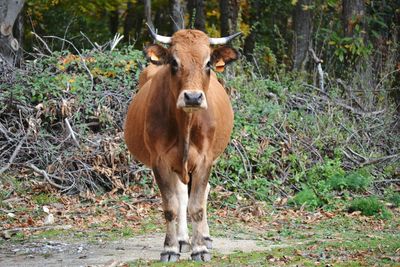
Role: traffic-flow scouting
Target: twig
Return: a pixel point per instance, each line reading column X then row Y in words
column 43, row 42
column 71, row 132
column 46, row 176
column 379, row 160
column 387, row 181
column 354, row 110
column 318, row 61
column 17, row 149
column 4, row 131
column 87, row 38
column 114, row 42
column 244, row 157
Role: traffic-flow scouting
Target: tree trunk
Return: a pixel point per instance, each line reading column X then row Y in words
column 129, row 20
column 113, row 21
column 353, row 14
column 229, row 14
column 177, row 15
column 147, row 12
column 10, row 25
column 302, row 34
column 250, row 41
column 197, row 14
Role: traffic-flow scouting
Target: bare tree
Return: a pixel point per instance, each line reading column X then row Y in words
column 176, row 15
column 229, row 14
column 302, row 33
column 10, row 24
column 197, row 14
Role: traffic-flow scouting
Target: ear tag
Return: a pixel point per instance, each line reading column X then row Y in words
column 220, row 66
column 153, row 57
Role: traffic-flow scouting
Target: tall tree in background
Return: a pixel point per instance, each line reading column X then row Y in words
column 176, row 15
column 229, row 14
column 147, row 12
column 353, row 14
column 254, row 17
column 302, row 33
column 113, row 17
column 10, row 45
column 197, row 14
column 129, row 20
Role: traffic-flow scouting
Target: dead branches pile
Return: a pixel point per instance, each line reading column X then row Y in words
column 68, row 139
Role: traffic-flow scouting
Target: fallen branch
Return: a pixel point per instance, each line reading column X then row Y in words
column 350, row 108
column 46, row 176
column 17, row 149
column 71, row 132
column 378, row 160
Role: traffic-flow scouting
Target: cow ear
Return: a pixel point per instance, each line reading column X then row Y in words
column 223, row 55
column 156, row 54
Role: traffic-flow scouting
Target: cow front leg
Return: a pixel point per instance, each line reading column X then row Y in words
column 182, row 231
column 198, row 214
column 167, row 183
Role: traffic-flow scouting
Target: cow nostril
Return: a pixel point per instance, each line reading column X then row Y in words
column 186, row 96
column 199, row 97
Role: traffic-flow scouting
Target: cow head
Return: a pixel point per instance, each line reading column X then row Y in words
column 191, row 59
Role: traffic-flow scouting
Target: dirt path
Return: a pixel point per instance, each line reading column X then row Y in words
column 61, row 253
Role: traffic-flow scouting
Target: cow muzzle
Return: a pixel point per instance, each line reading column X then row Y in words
column 191, row 100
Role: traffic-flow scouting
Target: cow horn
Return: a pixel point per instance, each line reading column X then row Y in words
column 223, row 40
column 159, row 38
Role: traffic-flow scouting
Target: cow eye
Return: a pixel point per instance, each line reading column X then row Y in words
column 208, row 65
column 174, row 65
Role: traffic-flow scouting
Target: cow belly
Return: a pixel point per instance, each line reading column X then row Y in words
column 133, row 132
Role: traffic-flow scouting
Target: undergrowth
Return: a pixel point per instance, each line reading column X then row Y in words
column 290, row 140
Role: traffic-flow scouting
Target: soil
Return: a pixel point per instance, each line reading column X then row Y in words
column 109, row 253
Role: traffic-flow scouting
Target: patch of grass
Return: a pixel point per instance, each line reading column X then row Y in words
column 369, row 206
column 44, row 199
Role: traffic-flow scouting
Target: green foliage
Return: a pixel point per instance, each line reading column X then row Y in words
column 63, row 77
column 357, row 181
column 369, row 206
column 306, row 198
column 393, row 197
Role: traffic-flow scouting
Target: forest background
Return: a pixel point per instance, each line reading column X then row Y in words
column 316, row 95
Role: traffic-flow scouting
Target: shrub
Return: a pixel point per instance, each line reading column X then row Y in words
column 369, row 206
column 307, row 198
column 357, row 181
column 394, row 198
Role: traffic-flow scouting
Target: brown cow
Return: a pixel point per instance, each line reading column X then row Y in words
column 178, row 123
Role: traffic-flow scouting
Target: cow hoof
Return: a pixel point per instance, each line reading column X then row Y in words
column 208, row 242
column 184, row 246
column 201, row 256
column 169, row 256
